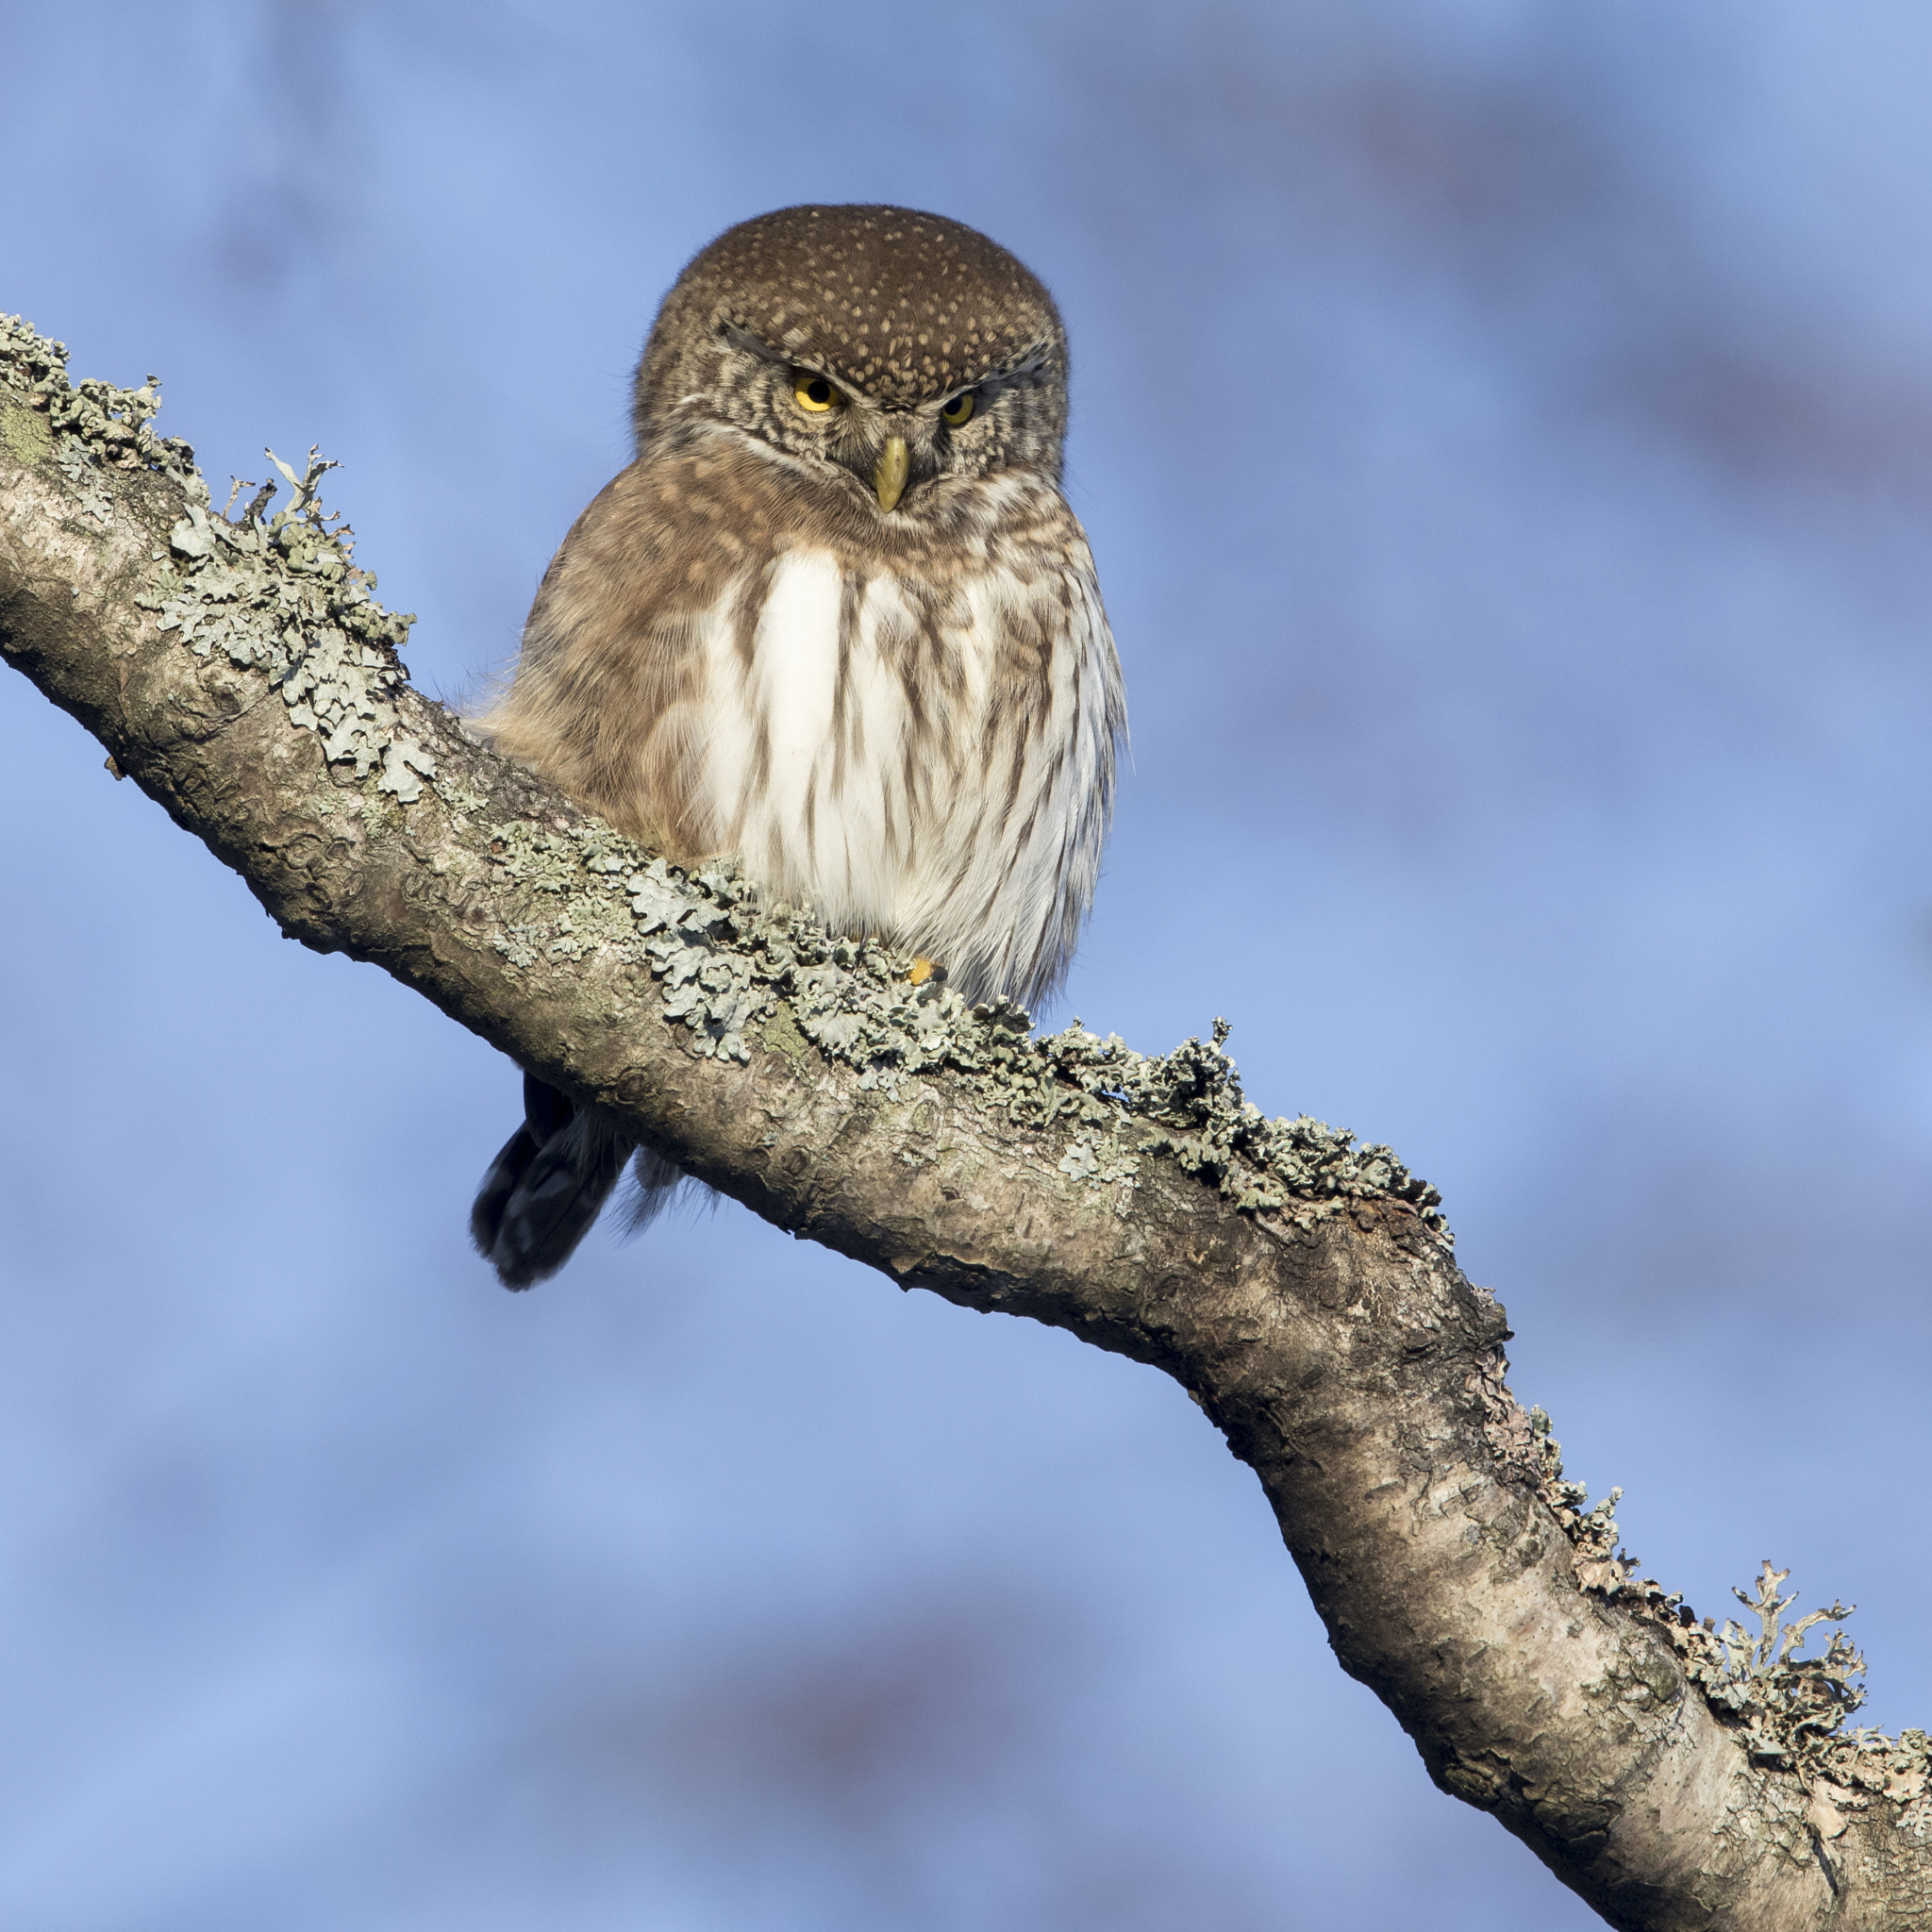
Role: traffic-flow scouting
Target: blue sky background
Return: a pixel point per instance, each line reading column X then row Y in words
column 1505, row 429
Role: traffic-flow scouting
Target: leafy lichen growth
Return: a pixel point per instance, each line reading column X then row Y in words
column 88, row 428
column 285, row 596
column 737, row 969
column 281, row 595
column 1193, row 1107
column 1788, row 1708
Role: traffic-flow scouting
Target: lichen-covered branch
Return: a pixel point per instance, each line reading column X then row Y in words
column 1303, row 1288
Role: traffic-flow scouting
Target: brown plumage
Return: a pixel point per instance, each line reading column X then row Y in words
column 836, row 618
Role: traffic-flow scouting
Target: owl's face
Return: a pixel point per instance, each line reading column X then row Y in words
column 899, row 455
column 897, row 359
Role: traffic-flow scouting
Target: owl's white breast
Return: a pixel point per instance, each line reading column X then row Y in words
column 864, row 753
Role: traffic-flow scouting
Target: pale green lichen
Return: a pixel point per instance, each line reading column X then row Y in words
column 1790, row 1709
column 29, row 439
column 281, row 595
column 284, row 596
column 1787, row 1707
column 736, row 969
column 88, row 428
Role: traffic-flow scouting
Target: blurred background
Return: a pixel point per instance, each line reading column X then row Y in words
column 1505, row 429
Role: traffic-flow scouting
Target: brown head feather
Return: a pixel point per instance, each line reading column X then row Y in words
column 899, row 306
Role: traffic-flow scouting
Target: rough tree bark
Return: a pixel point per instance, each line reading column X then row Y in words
column 1302, row 1288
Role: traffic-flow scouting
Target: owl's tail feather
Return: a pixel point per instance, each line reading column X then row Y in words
column 547, row 1186
column 654, row 1181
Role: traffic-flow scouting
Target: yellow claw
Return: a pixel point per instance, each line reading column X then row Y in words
column 923, row 970
column 889, row 478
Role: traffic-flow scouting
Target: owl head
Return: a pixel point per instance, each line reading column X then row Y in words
column 899, row 358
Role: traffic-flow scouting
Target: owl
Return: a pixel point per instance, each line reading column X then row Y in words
column 835, row 621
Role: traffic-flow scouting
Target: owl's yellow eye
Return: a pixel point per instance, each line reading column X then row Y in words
column 814, row 395
column 957, row 411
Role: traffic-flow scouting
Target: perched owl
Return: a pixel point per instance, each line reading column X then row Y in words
column 837, row 619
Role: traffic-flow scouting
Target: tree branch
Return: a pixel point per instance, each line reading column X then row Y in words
column 1302, row 1288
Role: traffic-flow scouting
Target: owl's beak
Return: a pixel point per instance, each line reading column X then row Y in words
column 889, row 477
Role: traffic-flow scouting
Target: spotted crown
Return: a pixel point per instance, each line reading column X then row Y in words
column 899, row 306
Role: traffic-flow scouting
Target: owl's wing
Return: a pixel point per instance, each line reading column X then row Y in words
column 605, row 702
column 609, row 695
